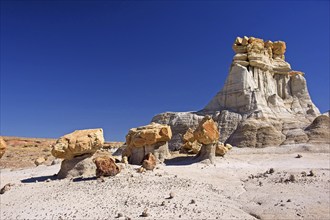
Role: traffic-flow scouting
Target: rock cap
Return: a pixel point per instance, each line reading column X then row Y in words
column 207, row 131
column 148, row 135
column 78, row 143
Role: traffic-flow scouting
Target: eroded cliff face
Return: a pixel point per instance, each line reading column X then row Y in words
column 261, row 82
column 263, row 102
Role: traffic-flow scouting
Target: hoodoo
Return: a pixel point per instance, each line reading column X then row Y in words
column 263, row 102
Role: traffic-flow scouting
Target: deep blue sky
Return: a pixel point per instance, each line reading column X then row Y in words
column 69, row 65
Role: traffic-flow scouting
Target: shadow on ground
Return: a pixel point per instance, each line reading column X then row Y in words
column 54, row 177
column 39, row 179
column 181, row 161
column 80, row 179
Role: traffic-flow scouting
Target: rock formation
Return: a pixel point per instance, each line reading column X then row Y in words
column 190, row 144
column 39, row 161
column 319, row 130
column 106, row 166
column 207, row 134
column 77, row 167
column 77, row 149
column 221, row 149
column 78, row 143
column 3, row 147
column 179, row 122
column 152, row 138
column 263, row 102
column 149, row 162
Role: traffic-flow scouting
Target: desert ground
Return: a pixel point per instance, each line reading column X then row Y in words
column 267, row 183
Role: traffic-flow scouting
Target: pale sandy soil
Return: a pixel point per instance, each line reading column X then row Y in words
column 225, row 190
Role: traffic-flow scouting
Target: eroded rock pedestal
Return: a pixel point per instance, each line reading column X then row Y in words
column 208, row 135
column 76, row 149
column 152, row 138
column 263, row 102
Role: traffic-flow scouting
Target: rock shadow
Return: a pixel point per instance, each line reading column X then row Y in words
column 82, row 179
column 181, row 161
column 39, row 179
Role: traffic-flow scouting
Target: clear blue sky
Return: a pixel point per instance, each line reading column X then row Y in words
column 69, row 65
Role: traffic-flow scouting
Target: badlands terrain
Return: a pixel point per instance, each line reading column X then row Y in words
column 260, row 149
column 244, row 184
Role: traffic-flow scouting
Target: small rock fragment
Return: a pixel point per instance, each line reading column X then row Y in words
column 145, row 213
column 292, row 178
column 171, row 195
column 6, row 188
column 149, row 162
column 299, row 156
column 39, row 161
column 141, row 170
column 124, row 160
column 106, row 166
column 311, row 173
column 192, row 201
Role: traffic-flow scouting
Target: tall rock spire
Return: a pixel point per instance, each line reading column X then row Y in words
column 262, row 83
column 262, row 103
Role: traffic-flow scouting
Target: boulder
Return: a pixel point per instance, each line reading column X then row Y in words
column 78, row 143
column 148, row 135
column 106, row 166
column 229, row 146
column 149, row 162
column 39, row 161
column 3, row 147
column 152, row 138
column 77, row 149
column 190, row 145
column 207, row 131
column 220, row 149
column 279, row 48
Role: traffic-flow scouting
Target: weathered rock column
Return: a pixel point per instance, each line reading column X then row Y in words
column 152, row 138
column 77, row 149
column 207, row 133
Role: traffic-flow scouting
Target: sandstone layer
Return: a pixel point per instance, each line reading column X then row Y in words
column 262, row 103
column 190, row 144
column 77, row 149
column 78, row 143
column 152, row 138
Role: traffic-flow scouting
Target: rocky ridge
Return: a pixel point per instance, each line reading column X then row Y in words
column 263, row 102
